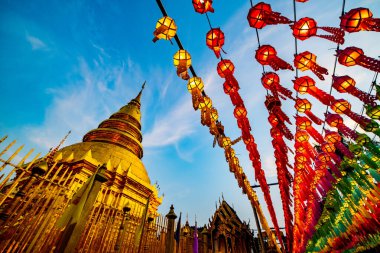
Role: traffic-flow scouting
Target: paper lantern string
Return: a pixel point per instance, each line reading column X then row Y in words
column 351, row 56
column 307, row 27
column 267, row 55
column 261, row 15
column 346, row 84
column 359, row 19
column 307, row 61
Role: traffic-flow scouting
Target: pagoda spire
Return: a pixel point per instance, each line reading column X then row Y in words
column 123, row 128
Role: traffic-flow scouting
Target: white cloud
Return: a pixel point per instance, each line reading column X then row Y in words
column 175, row 125
column 36, row 43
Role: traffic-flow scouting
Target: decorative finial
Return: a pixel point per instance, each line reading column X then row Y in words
column 222, row 196
column 143, row 86
column 52, row 152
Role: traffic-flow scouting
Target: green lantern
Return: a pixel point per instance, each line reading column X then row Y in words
column 373, row 111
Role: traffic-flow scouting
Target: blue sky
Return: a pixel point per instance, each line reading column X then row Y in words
column 67, row 66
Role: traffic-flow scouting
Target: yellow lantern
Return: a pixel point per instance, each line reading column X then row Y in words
column 340, row 106
column 195, row 86
column 226, row 142
column 165, row 29
column 182, row 61
column 195, row 83
column 214, row 114
column 206, row 103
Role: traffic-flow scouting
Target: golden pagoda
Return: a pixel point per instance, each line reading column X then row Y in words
column 92, row 196
column 117, row 144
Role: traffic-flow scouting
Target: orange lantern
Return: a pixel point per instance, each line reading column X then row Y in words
column 203, row 6
column 351, row 56
column 267, row 55
column 261, row 15
column 306, row 84
column 341, row 106
column 305, row 124
column 240, row 112
column 165, row 29
column 328, row 147
column 232, row 91
column 345, row 84
column 304, row 106
column 359, row 19
column 307, row 61
column 302, row 136
column 271, row 81
column 307, row 27
column 225, row 68
column 215, row 40
column 195, row 86
column 205, row 105
column 336, row 139
column 336, row 120
column 182, row 61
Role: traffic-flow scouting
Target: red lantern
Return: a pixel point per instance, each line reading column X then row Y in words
column 267, row 55
column 345, row 84
column 307, row 27
column 304, row 106
column 225, row 68
column 261, row 15
column 307, row 61
column 215, row 40
column 305, row 124
column 351, row 56
column 203, row 6
column 336, row 120
column 306, row 84
column 271, row 81
column 359, row 19
column 342, row 106
column 336, row 139
column 302, row 1
column 232, row 91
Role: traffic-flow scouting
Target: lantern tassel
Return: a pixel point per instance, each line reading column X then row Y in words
column 314, row 133
column 158, row 31
column 347, row 131
column 322, row 96
column 371, row 24
column 314, row 118
column 333, row 38
column 344, row 150
column 374, row 174
column 369, row 63
column 276, row 18
column 333, row 30
column 318, row 71
column 364, row 97
column 278, row 63
column 361, row 120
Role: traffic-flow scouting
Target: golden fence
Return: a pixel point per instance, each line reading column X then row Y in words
column 32, row 202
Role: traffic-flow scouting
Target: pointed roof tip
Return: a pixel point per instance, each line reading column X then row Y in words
column 138, row 97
